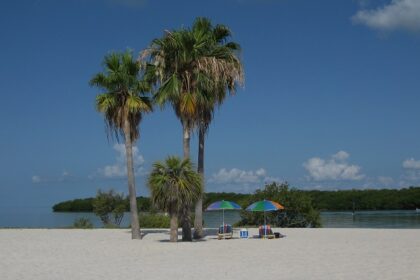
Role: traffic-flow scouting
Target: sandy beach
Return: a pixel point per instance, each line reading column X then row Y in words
column 40, row 254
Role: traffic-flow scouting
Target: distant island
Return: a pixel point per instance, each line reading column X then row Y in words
column 341, row 200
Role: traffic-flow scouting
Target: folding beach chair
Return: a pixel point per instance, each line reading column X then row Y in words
column 225, row 232
column 265, row 232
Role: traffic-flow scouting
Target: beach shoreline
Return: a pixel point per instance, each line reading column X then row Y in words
column 302, row 254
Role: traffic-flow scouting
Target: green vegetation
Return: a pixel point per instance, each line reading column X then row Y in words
column 109, row 207
column 86, row 205
column 84, row 223
column 192, row 69
column 386, row 199
column 75, row 205
column 298, row 212
column 154, row 220
column 174, row 187
column 123, row 102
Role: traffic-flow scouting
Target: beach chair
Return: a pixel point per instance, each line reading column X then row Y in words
column 225, row 232
column 265, row 232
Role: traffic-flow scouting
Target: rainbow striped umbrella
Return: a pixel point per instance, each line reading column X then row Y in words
column 223, row 205
column 265, row 206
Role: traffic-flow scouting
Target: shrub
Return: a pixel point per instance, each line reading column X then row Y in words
column 154, row 221
column 298, row 211
column 82, row 223
column 109, row 207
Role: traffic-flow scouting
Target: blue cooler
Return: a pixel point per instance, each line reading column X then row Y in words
column 243, row 233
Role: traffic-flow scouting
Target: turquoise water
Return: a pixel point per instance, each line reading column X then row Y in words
column 372, row 219
column 361, row 219
column 43, row 217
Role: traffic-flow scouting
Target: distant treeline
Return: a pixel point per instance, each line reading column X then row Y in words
column 86, row 205
column 343, row 200
column 385, row 199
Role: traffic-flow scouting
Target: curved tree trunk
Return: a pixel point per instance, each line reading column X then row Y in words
column 198, row 220
column 135, row 227
column 186, row 219
column 174, row 227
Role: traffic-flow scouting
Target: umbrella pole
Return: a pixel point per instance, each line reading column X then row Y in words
column 265, row 226
column 223, row 230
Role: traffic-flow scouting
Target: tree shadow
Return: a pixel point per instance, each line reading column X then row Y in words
column 180, row 241
column 145, row 232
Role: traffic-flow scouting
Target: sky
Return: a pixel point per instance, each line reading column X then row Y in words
column 330, row 100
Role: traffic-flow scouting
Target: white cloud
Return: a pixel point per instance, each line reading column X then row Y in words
column 335, row 168
column 119, row 168
column 36, row 179
column 385, row 181
column 270, row 179
column 260, row 172
column 411, row 163
column 238, row 180
column 412, row 176
column 341, row 155
column 412, row 171
column 64, row 177
column 238, row 176
column 398, row 14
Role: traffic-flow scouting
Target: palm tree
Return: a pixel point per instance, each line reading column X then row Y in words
column 184, row 65
column 227, row 74
column 174, row 186
column 173, row 68
column 123, row 101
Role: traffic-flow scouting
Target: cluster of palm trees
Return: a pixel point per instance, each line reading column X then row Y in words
column 193, row 70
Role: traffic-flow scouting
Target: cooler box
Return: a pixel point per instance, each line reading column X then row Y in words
column 243, row 233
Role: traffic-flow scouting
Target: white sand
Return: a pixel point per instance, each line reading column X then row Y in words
column 59, row 254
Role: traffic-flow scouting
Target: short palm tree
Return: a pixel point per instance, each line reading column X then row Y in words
column 174, row 186
column 123, row 101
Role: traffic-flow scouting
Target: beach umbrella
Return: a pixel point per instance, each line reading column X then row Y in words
column 223, row 205
column 264, row 206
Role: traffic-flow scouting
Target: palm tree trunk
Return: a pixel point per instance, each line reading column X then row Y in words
column 198, row 220
column 135, row 227
column 174, row 227
column 185, row 218
column 186, row 140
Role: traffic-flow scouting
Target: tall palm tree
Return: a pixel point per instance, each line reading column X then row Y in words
column 175, row 186
column 123, row 101
column 182, row 65
column 173, row 68
column 227, row 74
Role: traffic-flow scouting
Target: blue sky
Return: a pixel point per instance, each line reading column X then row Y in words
column 330, row 100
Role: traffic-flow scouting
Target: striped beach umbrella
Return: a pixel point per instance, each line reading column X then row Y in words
column 264, row 206
column 223, row 205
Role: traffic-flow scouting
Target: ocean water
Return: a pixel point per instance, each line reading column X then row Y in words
column 372, row 219
column 44, row 217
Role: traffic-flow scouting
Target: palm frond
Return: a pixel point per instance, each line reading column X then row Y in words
column 126, row 95
column 174, row 184
column 187, row 66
